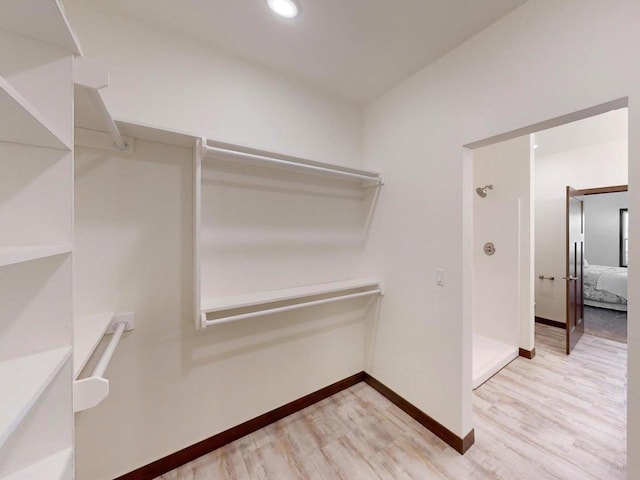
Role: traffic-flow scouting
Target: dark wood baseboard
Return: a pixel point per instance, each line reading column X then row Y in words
column 553, row 323
column 461, row 445
column 188, row 454
column 528, row 353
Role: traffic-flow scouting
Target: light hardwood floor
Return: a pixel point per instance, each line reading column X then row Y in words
column 553, row 417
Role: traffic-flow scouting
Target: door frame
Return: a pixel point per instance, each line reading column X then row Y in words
column 585, row 192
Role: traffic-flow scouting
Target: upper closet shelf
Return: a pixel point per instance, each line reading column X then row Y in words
column 55, row 467
column 43, row 20
column 23, row 380
column 11, row 255
column 21, row 123
column 297, row 297
column 226, row 152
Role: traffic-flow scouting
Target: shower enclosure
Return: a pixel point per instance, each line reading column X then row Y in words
column 496, row 284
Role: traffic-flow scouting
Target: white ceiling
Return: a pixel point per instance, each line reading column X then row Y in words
column 608, row 127
column 357, row 49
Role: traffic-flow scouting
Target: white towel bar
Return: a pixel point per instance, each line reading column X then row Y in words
column 235, row 318
column 373, row 177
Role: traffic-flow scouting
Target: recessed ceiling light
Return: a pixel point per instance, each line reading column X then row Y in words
column 284, row 8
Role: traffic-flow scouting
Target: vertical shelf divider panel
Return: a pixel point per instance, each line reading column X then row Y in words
column 198, row 153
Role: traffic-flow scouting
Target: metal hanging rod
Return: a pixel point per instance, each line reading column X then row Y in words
column 90, row 391
column 269, row 311
column 376, row 178
column 103, row 363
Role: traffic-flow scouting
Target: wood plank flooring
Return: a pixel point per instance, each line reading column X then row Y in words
column 553, row 417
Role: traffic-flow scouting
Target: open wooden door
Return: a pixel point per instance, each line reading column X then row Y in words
column 575, row 262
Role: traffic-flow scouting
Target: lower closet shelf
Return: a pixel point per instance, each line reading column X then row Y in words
column 12, row 255
column 24, row 380
column 294, row 298
column 55, row 467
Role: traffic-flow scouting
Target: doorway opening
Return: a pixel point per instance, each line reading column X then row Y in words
column 530, row 274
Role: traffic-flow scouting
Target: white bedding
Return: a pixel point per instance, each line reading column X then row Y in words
column 597, row 288
column 614, row 282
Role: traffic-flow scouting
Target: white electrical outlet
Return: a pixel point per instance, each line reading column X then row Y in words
column 440, row 277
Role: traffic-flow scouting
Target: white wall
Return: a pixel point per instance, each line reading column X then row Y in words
column 590, row 166
column 508, row 167
column 602, row 227
column 538, row 63
column 169, row 81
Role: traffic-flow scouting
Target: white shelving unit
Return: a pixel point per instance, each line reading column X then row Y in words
column 36, row 240
column 214, row 311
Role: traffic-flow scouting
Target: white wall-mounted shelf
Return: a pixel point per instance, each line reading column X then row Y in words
column 23, row 380
column 55, row 467
column 331, row 292
column 42, row 20
column 260, row 158
column 12, row 255
column 271, row 296
column 21, row 122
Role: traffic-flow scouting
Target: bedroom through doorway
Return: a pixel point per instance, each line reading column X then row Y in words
column 606, row 221
column 583, row 289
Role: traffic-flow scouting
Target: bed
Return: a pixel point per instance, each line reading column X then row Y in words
column 605, row 287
